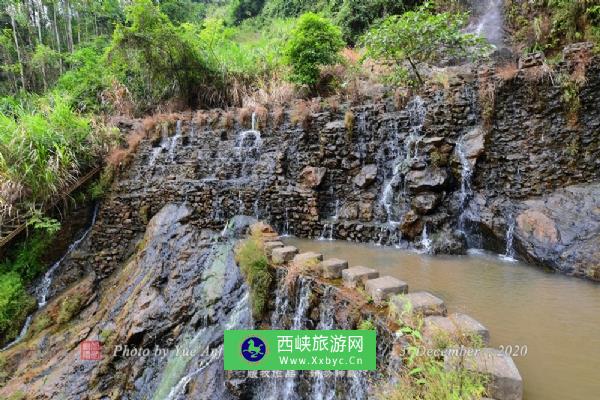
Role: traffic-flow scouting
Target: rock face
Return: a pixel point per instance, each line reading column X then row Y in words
column 560, row 230
column 181, row 289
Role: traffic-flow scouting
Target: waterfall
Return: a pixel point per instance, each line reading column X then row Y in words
column 298, row 322
column 425, row 241
column 248, row 146
column 174, row 140
column 509, row 253
column 416, row 113
column 286, row 223
column 321, row 388
column 42, row 291
column 466, row 173
column 488, row 21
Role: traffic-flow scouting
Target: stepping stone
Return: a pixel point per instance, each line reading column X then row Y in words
column 269, row 246
column 282, row 255
column 381, row 289
column 505, row 382
column 309, row 258
column 359, row 274
column 423, row 303
column 332, row 268
column 455, row 324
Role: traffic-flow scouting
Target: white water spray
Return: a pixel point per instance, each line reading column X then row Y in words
column 488, row 20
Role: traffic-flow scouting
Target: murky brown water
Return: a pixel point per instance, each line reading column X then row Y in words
column 556, row 317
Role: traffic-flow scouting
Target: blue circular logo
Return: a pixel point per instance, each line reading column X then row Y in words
column 253, row 349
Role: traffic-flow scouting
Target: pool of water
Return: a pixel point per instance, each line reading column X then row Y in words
column 556, row 317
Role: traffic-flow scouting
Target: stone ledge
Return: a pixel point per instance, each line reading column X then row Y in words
column 423, row 303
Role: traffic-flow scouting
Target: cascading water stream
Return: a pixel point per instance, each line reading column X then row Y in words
column 416, row 113
column 298, row 322
column 42, row 291
column 248, row 146
column 425, row 241
column 488, row 21
column 509, row 253
column 466, row 192
column 174, row 141
column 321, row 389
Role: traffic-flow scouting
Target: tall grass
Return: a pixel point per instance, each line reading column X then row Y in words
column 44, row 147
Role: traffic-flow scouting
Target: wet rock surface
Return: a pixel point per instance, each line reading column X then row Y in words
column 180, row 290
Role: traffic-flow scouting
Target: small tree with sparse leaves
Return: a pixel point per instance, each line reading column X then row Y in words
column 423, row 36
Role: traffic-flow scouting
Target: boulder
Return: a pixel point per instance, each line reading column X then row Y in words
column 429, row 179
column 473, row 144
column 366, row 176
column 536, row 225
column 311, row 177
column 411, row 225
column 425, row 203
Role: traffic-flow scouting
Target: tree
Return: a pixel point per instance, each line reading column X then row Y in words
column 240, row 10
column 314, row 43
column 154, row 61
column 422, row 36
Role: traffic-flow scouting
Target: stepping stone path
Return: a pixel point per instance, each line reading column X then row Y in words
column 270, row 246
column 455, row 324
column 282, row 255
column 359, row 274
column 333, row 268
column 423, row 303
column 505, row 381
column 381, row 289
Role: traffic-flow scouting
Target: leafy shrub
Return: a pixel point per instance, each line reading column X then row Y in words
column 15, row 305
column 355, row 16
column 87, row 78
column 315, row 42
column 255, row 267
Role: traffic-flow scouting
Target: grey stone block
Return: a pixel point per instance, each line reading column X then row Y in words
column 332, row 268
column 455, row 324
column 309, row 258
column 505, row 382
column 359, row 274
column 423, row 303
column 381, row 289
column 282, row 255
column 269, row 246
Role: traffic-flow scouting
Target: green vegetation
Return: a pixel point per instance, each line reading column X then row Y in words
column 423, row 36
column 547, row 25
column 424, row 377
column 314, row 43
column 251, row 258
column 366, row 325
column 69, row 307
